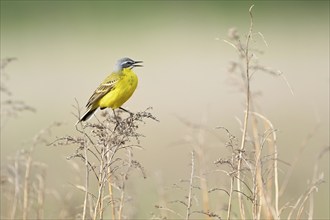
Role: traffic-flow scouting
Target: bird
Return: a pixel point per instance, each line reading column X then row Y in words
column 115, row 90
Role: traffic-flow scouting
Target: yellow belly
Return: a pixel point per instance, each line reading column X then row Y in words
column 122, row 91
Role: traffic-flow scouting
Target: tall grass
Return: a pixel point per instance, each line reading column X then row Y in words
column 253, row 189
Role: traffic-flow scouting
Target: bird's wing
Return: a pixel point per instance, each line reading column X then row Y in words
column 106, row 86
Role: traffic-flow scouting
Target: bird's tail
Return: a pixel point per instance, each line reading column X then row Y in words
column 89, row 113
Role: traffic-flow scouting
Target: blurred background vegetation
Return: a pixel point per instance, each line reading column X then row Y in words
column 65, row 49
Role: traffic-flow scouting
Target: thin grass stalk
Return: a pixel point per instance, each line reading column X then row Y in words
column 121, row 203
column 276, row 185
column 101, row 187
column 98, row 205
column 113, row 209
column 98, row 209
column 302, row 205
column 262, row 203
column 246, row 117
column 275, row 213
column 109, row 174
column 311, row 199
column 110, row 188
column 272, row 175
column 205, row 195
column 40, row 197
column 26, row 187
column 258, row 205
column 189, row 199
column 16, row 190
column 86, row 180
column 230, row 197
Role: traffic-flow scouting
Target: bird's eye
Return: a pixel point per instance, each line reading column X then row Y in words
column 127, row 63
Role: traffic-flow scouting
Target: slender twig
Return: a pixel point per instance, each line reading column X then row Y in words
column 99, row 204
column 122, row 200
column 86, row 180
column 189, row 202
column 275, row 164
column 230, row 196
column 26, row 186
column 259, row 196
column 113, row 209
column 16, row 186
column 308, row 195
column 247, row 109
column 40, row 196
column 86, row 161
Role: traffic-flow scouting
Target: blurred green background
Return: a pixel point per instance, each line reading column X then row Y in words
column 66, row 48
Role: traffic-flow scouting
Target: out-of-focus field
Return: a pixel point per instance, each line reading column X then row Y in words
column 65, row 49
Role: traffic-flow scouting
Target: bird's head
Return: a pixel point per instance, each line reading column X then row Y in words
column 127, row 63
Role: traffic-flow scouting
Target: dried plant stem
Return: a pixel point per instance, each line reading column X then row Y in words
column 16, row 191
column 204, row 188
column 122, row 200
column 302, row 199
column 230, row 196
column 190, row 185
column 86, row 181
column 99, row 202
column 275, row 165
column 110, row 158
column 40, row 197
column 246, row 117
column 85, row 147
column 309, row 194
column 26, row 186
column 258, row 205
column 112, row 204
column 276, row 185
column 239, row 165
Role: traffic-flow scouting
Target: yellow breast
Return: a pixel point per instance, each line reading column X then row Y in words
column 122, row 91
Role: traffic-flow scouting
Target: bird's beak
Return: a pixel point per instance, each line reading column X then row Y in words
column 136, row 64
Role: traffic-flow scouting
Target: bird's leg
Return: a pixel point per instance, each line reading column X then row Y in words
column 114, row 113
column 131, row 113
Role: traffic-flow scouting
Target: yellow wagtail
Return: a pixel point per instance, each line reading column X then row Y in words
column 115, row 90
